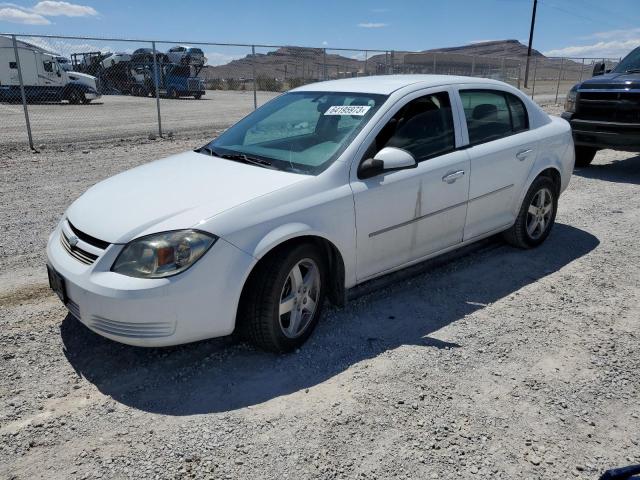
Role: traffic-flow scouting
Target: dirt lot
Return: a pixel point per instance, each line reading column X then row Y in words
column 501, row 364
column 115, row 116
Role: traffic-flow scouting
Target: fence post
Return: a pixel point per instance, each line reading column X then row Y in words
column 366, row 56
column 535, row 70
column 581, row 71
column 391, row 61
column 559, row 77
column 434, row 63
column 324, row 63
column 24, row 97
column 519, row 74
column 156, row 73
column 502, row 69
column 473, row 66
column 253, row 70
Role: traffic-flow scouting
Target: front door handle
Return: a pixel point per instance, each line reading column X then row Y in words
column 523, row 154
column 453, row 176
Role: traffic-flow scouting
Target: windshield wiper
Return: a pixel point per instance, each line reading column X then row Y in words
column 238, row 157
column 241, row 157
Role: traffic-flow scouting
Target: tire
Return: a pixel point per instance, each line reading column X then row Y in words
column 584, row 155
column 75, row 97
column 272, row 288
column 86, row 101
column 197, row 96
column 523, row 234
column 173, row 93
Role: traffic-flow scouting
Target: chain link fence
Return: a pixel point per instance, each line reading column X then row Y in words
column 74, row 89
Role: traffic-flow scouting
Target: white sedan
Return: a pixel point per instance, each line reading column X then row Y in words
column 323, row 188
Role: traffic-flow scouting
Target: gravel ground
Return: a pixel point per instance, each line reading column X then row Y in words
column 116, row 116
column 498, row 364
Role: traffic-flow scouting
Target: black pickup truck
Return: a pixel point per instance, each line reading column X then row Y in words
column 604, row 111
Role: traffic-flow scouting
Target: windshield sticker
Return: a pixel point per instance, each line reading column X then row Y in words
column 358, row 110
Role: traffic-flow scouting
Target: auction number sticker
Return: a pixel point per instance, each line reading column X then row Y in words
column 358, row 110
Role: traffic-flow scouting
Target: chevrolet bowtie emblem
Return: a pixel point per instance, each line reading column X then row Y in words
column 73, row 240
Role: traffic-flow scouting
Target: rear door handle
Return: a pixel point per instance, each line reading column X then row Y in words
column 523, row 154
column 452, row 176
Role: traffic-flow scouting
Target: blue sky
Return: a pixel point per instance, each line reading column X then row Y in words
column 564, row 27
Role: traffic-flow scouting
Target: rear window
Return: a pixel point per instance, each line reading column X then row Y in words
column 492, row 114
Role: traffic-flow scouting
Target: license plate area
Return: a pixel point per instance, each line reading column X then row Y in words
column 57, row 284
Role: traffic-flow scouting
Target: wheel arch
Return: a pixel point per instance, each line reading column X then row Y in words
column 550, row 171
column 288, row 236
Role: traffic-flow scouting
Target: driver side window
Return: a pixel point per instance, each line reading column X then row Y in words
column 423, row 127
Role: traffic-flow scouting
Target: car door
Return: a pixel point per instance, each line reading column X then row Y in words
column 502, row 150
column 404, row 215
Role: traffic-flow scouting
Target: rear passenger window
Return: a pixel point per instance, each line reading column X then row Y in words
column 492, row 115
column 519, row 115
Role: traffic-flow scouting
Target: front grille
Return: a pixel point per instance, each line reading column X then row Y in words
column 101, row 244
column 132, row 330
column 73, row 308
column 623, row 107
column 77, row 253
column 193, row 84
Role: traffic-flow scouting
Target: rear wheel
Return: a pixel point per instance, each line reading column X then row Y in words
column 584, row 155
column 173, row 93
column 197, row 96
column 283, row 299
column 537, row 215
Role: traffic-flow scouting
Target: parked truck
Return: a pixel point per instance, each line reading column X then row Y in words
column 44, row 78
column 604, row 111
column 134, row 74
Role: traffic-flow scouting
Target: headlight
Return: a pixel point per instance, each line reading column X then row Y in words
column 162, row 254
column 570, row 102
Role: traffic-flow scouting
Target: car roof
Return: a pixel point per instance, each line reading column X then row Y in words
column 387, row 84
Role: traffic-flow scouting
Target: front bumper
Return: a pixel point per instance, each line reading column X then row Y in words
column 613, row 135
column 199, row 303
column 92, row 96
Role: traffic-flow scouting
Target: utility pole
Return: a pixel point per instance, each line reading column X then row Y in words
column 533, row 24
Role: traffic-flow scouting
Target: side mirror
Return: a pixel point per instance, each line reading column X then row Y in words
column 599, row 69
column 389, row 159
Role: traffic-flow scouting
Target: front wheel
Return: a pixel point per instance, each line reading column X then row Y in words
column 197, row 96
column 537, row 215
column 283, row 299
column 585, row 155
column 75, row 97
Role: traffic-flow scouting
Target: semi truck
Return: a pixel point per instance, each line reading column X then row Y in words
column 43, row 77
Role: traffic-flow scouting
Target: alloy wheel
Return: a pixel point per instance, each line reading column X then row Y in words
column 299, row 298
column 539, row 213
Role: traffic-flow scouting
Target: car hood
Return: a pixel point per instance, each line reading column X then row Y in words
column 613, row 81
column 173, row 193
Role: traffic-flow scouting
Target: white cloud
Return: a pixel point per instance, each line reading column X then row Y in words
column 372, row 25
column 217, row 58
column 15, row 15
column 53, row 9
column 483, row 41
column 325, row 42
column 610, row 43
column 613, row 48
column 616, row 34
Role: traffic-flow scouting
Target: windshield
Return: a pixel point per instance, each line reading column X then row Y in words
column 300, row 131
column 630, row 62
